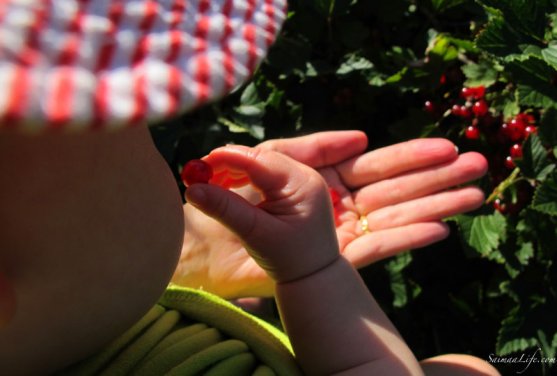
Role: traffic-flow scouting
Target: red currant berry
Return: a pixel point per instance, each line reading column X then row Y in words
column 473, row 92
column 526, row 118
column 500, row 206
column 516, row 151
column 514, row 129
column 480, row 108
column 196, row 171
column 335, row 196
column 472, row 132
column 467, row 92
column 460, row 111
column 530, row 129
column 430, row 107
column 479, row 91
column 443, row 79
column 509, row 163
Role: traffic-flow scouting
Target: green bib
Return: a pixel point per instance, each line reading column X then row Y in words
column 192, row 332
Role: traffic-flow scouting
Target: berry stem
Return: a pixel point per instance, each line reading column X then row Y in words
column 504, row 185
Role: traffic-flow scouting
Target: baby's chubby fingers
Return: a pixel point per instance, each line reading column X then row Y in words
column 290, row 233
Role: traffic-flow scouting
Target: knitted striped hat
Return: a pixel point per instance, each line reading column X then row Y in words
column 82, row 64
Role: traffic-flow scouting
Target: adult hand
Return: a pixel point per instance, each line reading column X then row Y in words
column 403, row 191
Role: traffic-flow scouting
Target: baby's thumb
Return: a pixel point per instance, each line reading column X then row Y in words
column 230, row 209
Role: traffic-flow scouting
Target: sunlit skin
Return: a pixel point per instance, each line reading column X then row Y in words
column 92, row 259
column 333, row 322
column 403, row 190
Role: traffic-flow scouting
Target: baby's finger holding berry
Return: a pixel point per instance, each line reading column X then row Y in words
column 295, row 214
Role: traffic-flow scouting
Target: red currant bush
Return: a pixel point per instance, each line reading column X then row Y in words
column 196, row 171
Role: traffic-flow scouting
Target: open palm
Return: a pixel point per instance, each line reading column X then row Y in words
column 392, row 199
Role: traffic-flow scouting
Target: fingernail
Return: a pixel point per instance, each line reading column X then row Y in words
column 456, row 149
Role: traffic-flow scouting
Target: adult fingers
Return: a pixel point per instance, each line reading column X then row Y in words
column 320, row 149
column 426, row 209
column 419, row 183
column 377, row 245
column 394, row 160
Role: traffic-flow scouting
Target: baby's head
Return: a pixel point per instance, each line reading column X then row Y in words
column 91, row 221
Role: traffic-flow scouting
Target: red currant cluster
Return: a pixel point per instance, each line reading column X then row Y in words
column 471, row 107
column 515, row 131
column 501, row 139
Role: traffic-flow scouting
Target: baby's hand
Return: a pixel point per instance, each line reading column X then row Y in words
column 290, row 233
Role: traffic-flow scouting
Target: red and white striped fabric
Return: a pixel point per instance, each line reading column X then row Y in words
column 83, row 64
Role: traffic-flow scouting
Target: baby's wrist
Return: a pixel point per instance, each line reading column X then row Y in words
column 315, row 271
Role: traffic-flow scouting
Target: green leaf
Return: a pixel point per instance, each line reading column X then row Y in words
column 525, row 252
column 250, row 95
column 533, row 77
column 354, row 63
column 477, row 74
column 442, row 5
column 546, row 346
column 498, row 39
column 527, row 323
column 534, row 163
column 506, row 102
column 527, row 17
column 550, row 55
column 443, row 48
column 516, row 259
column 255, row 130
column 402, row 289
column 545, row 197
column 250, row 110
column 509, row 340
column 484, row 233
